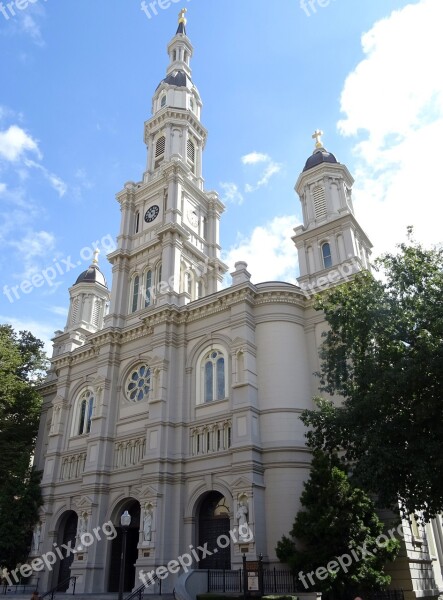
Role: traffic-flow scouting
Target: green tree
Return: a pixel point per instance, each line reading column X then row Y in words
column 333, row 546
column 383, row 354
column 22, row 363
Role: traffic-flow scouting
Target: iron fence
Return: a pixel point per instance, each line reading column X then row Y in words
column 274, row 581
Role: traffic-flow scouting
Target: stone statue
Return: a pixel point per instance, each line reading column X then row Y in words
column 242, row 520
column 147, row 525
column 82, row 529
column 36, row 538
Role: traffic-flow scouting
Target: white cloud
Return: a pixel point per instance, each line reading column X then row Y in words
column 231, row 193
column 61, row 311
column 14, row 142
column 30, row 26
column 269, row 251
column 255, row 157
column 3, row 188
column 56, row 182
column 31, row 249
column 393, row 102
column 271, row 168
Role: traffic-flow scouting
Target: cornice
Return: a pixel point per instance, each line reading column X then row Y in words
column 204, row 308
column 174, row 116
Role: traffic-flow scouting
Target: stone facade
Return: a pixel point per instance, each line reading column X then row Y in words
column 182, row 404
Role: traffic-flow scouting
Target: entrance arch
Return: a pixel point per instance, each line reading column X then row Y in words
column 132, row 538
column 67, row 537
column 214, row 521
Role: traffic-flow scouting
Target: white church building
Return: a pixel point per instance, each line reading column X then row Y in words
column 179, row 401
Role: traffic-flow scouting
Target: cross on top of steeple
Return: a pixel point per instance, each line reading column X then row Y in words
column 317, row 137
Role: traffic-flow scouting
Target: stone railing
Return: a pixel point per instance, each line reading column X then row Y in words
column 129, row 452
column 210, row 438
column 73, row 466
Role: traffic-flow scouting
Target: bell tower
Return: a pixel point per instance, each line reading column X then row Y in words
column 331, row 244
column 168, row 247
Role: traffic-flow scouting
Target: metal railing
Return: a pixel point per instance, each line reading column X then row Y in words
column 139, row 592
column 56, row 588
column 274, row 581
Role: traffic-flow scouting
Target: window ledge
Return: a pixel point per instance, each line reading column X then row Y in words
column 212, row 403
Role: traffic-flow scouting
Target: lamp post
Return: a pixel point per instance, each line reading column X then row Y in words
column 125, row 521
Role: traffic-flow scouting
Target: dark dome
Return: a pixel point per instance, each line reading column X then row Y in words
column 177, row 78
column 92, row 275
column 319, row 157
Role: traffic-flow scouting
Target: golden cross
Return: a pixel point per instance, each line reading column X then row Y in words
column 317, row 137
column 181, row 15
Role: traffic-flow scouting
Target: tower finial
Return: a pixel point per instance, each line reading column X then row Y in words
column 96, row 253
column 317, row 137
column 182, row 17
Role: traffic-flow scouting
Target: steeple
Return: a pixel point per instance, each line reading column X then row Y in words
column 89, row 298
column 331, row 244
column 168, row 247
column 182, row 22
column 175, row 101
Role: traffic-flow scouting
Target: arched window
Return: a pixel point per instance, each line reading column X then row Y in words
column 85, row 408
column 213, row 380
column 188, row 283
column 137, row 222
column 163, row 101
column 326, row 254
column 135, row 293
column 148, row 286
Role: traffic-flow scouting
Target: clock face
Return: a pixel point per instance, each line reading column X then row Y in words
column 193, row 218
column 152, row 213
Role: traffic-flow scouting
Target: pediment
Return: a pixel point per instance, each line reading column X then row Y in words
column 242, row 483
column 83, row 502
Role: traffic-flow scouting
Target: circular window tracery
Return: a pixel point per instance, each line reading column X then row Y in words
column 138, row 384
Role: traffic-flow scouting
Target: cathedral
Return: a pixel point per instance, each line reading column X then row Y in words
column 174, row 401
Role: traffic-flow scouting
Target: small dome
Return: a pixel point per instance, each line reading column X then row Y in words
column 320, row 156
column 177, row 78
column 92, row 275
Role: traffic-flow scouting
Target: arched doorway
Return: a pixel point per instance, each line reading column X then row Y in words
column 132, row 536
column 67, row 537
column 214, row 521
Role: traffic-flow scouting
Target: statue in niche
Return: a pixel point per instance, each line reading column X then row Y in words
column 36, row 538
column 242, row 519
column 147, row 524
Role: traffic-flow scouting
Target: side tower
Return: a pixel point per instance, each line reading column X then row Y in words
column 331, row 244
column 168, row 247
column 89, row 299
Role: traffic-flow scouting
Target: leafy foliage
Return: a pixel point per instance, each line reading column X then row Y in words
column 21, row 366
column 383, row 354
column 337, row 518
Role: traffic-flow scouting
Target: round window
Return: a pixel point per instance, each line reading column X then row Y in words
column 139, row 384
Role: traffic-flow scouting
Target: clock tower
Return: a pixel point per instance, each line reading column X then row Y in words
column 168, row 247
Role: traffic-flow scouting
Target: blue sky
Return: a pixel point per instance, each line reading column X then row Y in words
column 77, row 77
